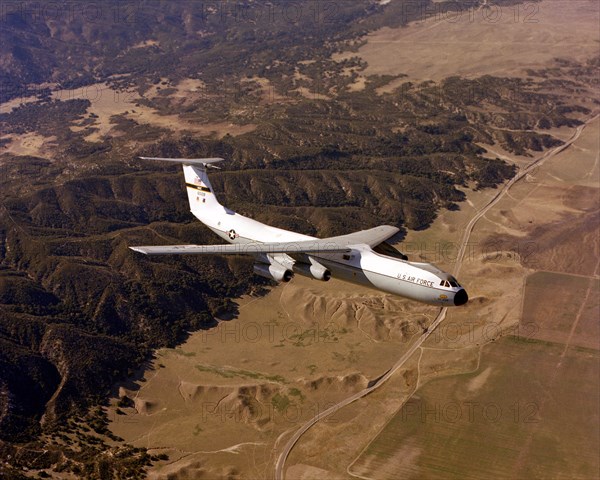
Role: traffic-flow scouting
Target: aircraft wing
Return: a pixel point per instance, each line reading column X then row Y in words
column 341, row 244
column 304, row 246
column 371, row 237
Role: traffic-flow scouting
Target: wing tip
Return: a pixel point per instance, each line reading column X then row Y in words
column 139, row 250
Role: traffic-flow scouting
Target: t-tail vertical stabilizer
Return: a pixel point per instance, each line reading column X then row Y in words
column 203, row 202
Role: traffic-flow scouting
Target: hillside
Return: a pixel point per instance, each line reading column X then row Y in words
column 311, row 152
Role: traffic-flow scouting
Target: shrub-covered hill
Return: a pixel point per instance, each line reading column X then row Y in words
column 78, row 309
column 322, row 168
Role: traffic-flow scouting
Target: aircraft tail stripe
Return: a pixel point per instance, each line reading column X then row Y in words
column 198, row 187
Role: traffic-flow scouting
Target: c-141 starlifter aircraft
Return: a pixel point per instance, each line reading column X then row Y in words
column 362, row 257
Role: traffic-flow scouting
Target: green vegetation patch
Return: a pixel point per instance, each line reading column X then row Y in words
column 228, row 372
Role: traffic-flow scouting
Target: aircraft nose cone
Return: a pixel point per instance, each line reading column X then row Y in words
column 461, row 297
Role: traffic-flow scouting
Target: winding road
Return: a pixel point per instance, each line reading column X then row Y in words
column 280, row 463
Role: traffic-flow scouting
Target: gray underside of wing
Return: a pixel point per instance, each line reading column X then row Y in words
column 308, row 246
column 341, row 244
column 371, row 237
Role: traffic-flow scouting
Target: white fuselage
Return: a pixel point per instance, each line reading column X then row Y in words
column 280, row 253
column 418, row 281
column 361, row 264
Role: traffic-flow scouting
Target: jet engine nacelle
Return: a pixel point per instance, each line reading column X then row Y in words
column 273, row 272
column 314, row 270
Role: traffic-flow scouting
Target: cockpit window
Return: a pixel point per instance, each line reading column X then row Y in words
column 386, row 249
column 454, row 282
column 444, row 283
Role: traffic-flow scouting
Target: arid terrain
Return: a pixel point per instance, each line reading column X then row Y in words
column 310, row 347
column 472, row 128
column 533, row 347
column 497, row 381
column 471, row 40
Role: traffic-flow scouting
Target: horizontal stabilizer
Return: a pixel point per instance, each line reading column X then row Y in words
column 305, row 246
column 187, row 161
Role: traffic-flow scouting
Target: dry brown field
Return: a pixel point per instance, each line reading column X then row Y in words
column 503, row 41
column 525, row 346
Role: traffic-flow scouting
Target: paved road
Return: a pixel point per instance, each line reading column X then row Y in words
column 507, row 186
column 279, row 465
